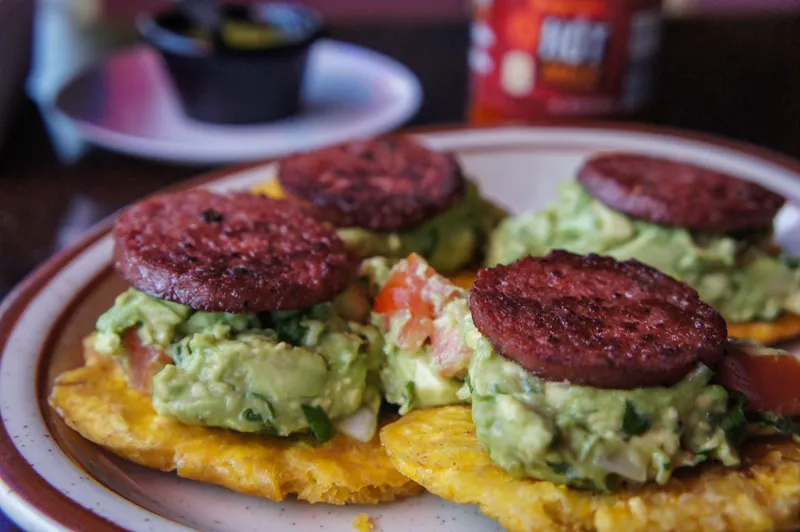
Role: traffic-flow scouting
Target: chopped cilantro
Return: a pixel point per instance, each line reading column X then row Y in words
column 634, row 423
column 248, row 414
column 559, row 468
column 318, row 422
column 267, row 404
column 734, row 423
column 783, row 425
column 176, row 353
column 291, row 331
column 408, row 394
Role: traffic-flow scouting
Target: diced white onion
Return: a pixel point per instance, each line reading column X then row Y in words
column 361, row 425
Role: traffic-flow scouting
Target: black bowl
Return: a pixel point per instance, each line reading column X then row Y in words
column 229, row 83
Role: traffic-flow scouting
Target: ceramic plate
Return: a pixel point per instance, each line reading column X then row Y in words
column 54, row 480
column 127, row 104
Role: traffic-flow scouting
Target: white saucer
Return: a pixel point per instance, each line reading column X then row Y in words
column 127, row 104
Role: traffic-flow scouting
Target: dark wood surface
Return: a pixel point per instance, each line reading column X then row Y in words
column 733, row 77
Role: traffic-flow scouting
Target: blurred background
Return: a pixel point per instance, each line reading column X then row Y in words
column 728, row 67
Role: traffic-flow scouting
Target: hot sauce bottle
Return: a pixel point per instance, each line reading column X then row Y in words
column 534, row 60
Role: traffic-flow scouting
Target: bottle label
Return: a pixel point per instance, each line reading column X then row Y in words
column 537, row 58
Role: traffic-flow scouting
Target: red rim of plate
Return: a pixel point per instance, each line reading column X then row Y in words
column 39, row 496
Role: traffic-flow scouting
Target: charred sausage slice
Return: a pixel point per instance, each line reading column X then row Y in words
column 229, row 253
column 593, row 321
column 680, row 194
column 387, row 184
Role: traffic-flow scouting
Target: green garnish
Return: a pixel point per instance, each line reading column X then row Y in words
column 248, row 414
column 291, row 331
column 559, row 468
column 175, row 352
column 319, row 423
column 699, row 458
column 267, row 404
column 633, row 422
column 734, row 423
column 783, row 425
column 408, row 394
column 734, row 426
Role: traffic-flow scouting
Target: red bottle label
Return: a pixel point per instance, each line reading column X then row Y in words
column 542, row 58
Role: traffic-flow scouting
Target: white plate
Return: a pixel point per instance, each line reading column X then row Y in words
column 54, row 480
column 127, row 104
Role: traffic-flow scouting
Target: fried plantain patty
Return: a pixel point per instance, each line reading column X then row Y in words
column 438, row 449
column 97, row 402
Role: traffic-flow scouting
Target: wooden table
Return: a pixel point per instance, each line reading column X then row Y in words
column 733, row 77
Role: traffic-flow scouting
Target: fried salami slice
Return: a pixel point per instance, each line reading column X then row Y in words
column 234, row 253
column 594, row 321
column 675, row 193
column 387, row 184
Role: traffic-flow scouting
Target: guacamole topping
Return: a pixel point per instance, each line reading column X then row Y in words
column 597, row 438
column 277, row 373
column 742, row 277
column 449, row 240
column 414, row 379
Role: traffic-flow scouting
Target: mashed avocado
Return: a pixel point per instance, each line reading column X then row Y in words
column 274, row 372
column 414, row 379
column 596, row 438
column 449, row 240
column 739, row 276
column 158, row 321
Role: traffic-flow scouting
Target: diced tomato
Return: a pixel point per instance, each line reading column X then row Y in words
column 403, row 289
column 415, row 333
column 143, row 361
column 403, row 292
column 449, row 351
column 413, row 287
column 770, row 382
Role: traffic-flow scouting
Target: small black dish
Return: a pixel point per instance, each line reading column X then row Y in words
column 253, row 74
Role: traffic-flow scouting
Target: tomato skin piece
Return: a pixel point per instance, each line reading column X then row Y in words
column 770, row 382
column 403, row 289
column 404, row 292
column 450, row 353
column 143, row 361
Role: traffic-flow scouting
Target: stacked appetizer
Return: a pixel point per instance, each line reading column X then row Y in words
column 703, row 227
column 593, row 382
column 259, row 338
column 243, row 315
column 390, row 197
